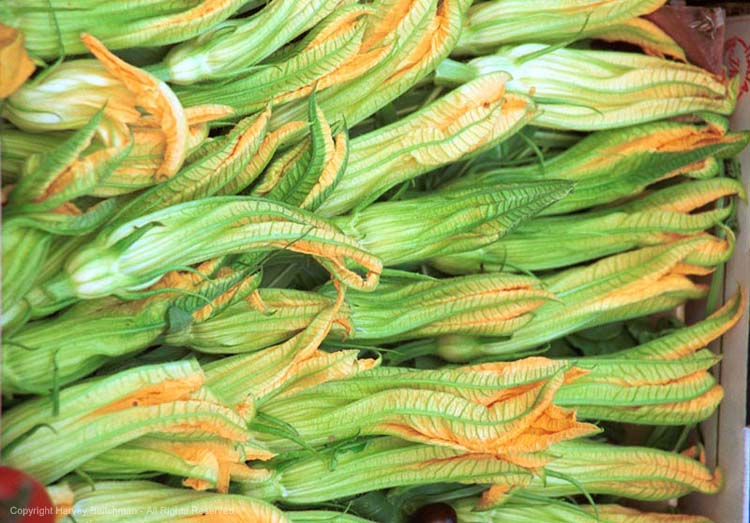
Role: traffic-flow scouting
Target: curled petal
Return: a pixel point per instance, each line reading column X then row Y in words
column 15, row 64
column 154, row 96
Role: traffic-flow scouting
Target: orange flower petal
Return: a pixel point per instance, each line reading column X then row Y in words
column 154, row 96
column 207, row 113
column 15, row 64
column 166, row 391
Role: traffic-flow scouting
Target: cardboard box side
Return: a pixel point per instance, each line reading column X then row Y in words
column 726, row 436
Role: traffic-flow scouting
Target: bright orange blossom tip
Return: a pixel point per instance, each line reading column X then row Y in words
column 339, row 27
column 432, row 41
column 690, row 202
column 207, row 113
column 495, row 495
column 688, row 269
column 708, row 402
column 713, row 247
column 673, row 140
column 256, row 302
column 15, row 64
column 386, row 26
column 575, row 373
column 68, row 208
column 222, row 456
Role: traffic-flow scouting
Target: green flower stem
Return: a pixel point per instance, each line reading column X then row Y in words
column 380, row 463
column 650, row 220
column 588, row 90
column 418, row 229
